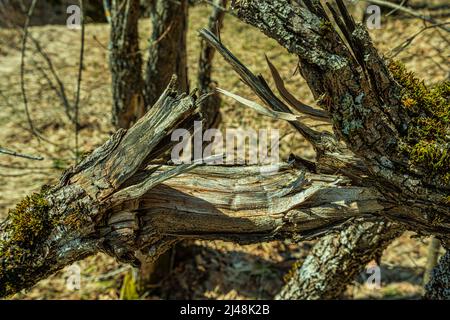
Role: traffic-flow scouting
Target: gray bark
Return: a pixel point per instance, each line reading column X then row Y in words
column 438, row 288
column 126, row 64
column 337, row 259
column 210, row 108
column 167, row 51
column 432, row 258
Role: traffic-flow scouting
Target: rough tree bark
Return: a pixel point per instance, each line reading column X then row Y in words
column 118, row 202
column 337, row 259
column 355, row 86
column 205, row 82
column 438, row 288
column 126, row 64
column 167, row 51
column 265, row 21
column 368, row 247
column 432, row 259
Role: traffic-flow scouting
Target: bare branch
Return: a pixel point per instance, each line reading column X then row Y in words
column 19, row 154
column 22, row 67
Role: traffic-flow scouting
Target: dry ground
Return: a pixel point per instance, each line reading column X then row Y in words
column 211, row 270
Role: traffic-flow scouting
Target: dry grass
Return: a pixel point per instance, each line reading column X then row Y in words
column 214, row 270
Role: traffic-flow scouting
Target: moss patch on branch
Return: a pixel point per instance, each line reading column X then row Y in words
column 27, row 224
column 292, row 272
column 427, row 142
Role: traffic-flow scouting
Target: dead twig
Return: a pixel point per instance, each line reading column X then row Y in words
column 19, row 154
column 400, row 48
column 22, row 67
column 409, row 11
column 80, row 72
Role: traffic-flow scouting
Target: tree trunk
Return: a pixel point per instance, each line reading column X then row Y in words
column 126, row 64
column 167, row 51
column 438, row 288
column 432, row 258
column 167, row 56
column 206, row 85
column 337, row 259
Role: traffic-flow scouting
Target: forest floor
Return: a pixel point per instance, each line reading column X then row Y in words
column 202, row 270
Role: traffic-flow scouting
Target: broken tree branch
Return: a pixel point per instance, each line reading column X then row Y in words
column 355, row 86
column 111, row 202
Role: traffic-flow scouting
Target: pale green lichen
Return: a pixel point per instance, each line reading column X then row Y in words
column 350, row 107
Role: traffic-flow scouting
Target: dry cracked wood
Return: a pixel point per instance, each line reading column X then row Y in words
column 353, row 83
column 115, row 201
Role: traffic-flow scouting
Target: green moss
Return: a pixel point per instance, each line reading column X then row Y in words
column 28, row 219
column 78, row 217
column 447, row 199
column 27, row 223
column 295, row 266
column 326, row 25
column 427, row 141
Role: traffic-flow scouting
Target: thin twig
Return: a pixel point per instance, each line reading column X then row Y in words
column 19, row 154
column 61, row 92
column 107, row 9
column 408, row 11
column 397, row 50
column 22, row 67
column 396, row 9
column 22, row 75
column 80, row 72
